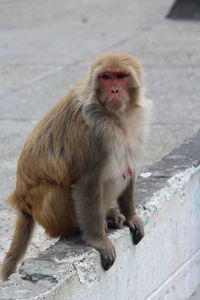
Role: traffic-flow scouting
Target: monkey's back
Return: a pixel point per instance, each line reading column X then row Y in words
column 52, row 147
column 49, row 164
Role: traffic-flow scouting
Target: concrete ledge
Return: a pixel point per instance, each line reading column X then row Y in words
column 165, row 265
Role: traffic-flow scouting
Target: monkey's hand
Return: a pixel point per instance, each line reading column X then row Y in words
column 115, row 220
column 107, row 251
column 136, row 227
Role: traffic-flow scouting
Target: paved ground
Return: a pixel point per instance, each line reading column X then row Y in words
column 47, row 45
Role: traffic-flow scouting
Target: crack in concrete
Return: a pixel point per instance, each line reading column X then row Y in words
column 35, row 277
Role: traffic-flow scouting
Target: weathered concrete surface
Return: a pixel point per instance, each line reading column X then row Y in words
column 195, row 295
column 165, row 265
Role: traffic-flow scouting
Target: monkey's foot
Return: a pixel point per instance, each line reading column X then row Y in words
column 115, row 220
column 136, row 227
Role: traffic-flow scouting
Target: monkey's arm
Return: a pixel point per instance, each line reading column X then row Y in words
column 127, row 207
column 87, row 195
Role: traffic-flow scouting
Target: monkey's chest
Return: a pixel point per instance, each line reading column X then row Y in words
column 120, row 164
column 118, row 171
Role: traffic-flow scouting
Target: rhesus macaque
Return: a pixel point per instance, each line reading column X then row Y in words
column 80, row 158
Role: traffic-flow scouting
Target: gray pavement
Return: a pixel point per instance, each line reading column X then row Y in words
column 45, row 46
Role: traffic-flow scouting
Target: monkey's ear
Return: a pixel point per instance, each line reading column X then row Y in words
column 137, row 79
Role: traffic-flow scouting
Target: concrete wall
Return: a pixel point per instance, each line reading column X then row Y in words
column 165, row 265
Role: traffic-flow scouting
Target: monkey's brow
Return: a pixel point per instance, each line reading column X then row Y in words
column 115, row 71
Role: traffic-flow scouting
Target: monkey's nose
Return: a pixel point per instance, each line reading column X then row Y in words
column 114, row 90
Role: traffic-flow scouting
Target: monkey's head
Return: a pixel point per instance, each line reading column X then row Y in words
column 117, row 80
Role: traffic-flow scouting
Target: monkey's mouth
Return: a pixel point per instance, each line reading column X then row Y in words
column 116, row 103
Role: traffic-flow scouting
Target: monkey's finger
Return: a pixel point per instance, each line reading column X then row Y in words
column 136, row 229
column 137, row 235
column 106, row 263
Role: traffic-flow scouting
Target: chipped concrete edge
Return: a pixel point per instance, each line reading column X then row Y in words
column 56, row 272
column 174, row 185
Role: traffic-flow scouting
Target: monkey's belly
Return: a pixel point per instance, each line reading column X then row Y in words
column 112, row 189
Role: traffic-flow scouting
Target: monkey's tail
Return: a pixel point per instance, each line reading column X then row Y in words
column 22, row 235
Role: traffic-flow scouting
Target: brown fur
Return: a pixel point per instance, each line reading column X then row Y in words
column 69, row 170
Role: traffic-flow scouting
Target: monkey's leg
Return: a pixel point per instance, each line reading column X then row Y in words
column 127, row 207
column 115, row 220
column 87, row 194
column 57, row 213
column 22, row 235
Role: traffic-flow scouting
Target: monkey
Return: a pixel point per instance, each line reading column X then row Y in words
column 82, row 157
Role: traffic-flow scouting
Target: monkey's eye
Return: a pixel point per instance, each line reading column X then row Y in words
column 106, row 76
column 121, row 76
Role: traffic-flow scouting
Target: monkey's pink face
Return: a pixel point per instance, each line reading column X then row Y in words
column 114, row 89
